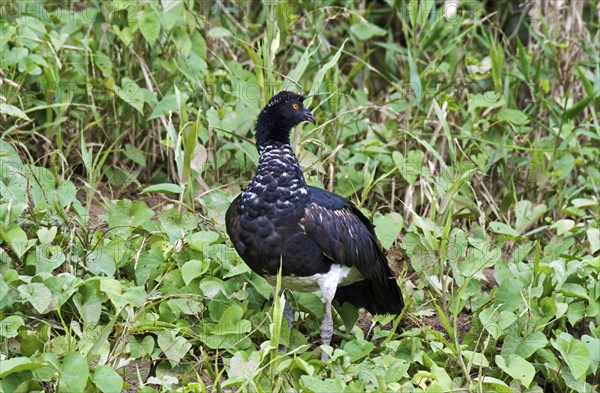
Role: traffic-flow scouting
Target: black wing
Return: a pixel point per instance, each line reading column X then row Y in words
column 232, row 224
column 343, row 233
column 346, row 236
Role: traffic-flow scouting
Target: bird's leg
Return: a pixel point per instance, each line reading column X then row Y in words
column 328, row 287
column 326, row 328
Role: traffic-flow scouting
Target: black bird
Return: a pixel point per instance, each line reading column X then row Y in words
column 322, row 240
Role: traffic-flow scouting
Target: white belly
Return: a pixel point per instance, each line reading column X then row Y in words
column 337, row 276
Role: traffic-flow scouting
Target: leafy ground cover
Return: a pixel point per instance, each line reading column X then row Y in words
column 468, row 131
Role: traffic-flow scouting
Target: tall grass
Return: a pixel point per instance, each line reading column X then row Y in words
column 469, row 134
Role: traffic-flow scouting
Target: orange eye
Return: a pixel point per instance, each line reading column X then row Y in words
column 295, row 106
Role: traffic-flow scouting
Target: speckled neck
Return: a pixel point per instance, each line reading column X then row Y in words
column 278, row 185
column 278, row 163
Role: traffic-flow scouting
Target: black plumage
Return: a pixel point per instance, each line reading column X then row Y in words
column 322, row 240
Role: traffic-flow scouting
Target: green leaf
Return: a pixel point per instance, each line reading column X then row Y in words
column 457, row 245
column 193, row 269
column 167, row 188
column 409, row 167
column 593, row 346
column 89, row 304
column 66, row 193
column 349, row 314
column 135, row 155
column 46, row 235
column 298, row 71
column 489, row 99
column 46, row 258
column 415, row 80
column 496, row 323
column 577, row 108
column 131, row 93
column 107, row 380
column 564, row 165
column 563, row 226
column 148, row 265
column 182, row 40
column 575, row 312
column 574, row 353
column 583, row 202
column 124, row 216
column 15, row 365
column 11, row 110
column 174, row 347
column 425, row 8
column 260, row 285
column 442, row 379
column 304, row 366
column 143, row 348
column 133, row 296
column 231, row 321
column 548, row 308
column 318, row 79
column 575, row 290
column 593, row 235
column 113, row 289
column 490, row 384
column 9, row 327
column 518, row 368
column 219, row 32
column 387, row 228
column 523, row 346
column 476, row 358
column 148, row 344
column 413, row 11
column 358, row 349
column 497, row 57
column 149, row 26
column 74, row 373
column 166, row 105
column 100, row 262
column 526, row 214
column 524, row 59
column 37, row 294
column 200, row 241
column 508, row 297
column 316, row 385
column 104, row 63
column 513, row 116
column 310, row 302
column 177, row 224
column 503, row 229
column 244, row 365
column 364, row 30
column 16, row 239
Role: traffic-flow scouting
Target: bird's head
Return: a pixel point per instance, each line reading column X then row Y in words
column 283, row 112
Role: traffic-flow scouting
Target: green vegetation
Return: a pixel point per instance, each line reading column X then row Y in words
column 470, row 135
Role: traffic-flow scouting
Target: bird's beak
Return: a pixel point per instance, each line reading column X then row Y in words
column 308, row 116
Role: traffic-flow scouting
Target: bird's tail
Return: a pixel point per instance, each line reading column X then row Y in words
column 376, row 297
